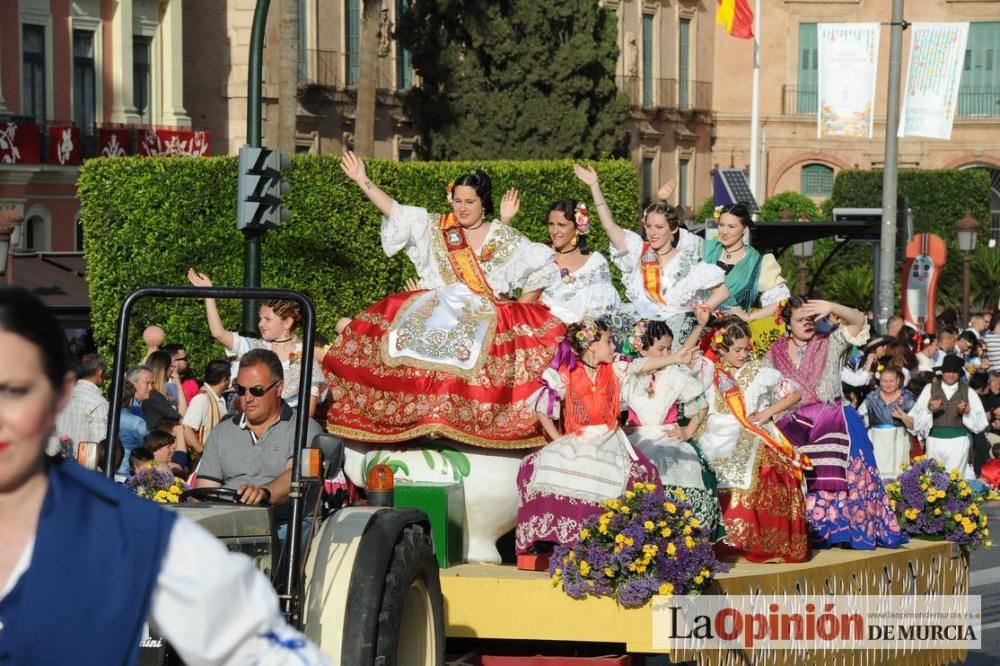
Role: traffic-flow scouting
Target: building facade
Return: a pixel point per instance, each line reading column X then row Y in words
column 792, row 158
column 80, row 79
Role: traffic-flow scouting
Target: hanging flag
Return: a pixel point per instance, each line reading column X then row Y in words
column 736, row 17
column 930, row 99
column 848, row 66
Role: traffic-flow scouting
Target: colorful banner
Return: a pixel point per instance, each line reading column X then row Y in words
column 113, row 141
column 930, row 98
column 173, row 142
column 64, row 145
column 848, row 66
column 20, row 143
column 736, row 17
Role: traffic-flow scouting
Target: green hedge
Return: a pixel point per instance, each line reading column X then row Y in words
column 938, row 199
column 146, row 220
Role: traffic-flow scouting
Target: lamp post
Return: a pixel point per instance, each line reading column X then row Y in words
column 803, row 252
column 9, row 221
column 966, row 229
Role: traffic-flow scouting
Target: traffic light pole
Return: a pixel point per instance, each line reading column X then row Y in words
column 254, row 235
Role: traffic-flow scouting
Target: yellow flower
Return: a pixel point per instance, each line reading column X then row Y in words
column 705, row 573
column 671, row 549
column 988, row 544
column 680, row 494
column 584, row 533
column 665, row 532
column 892, row 503
column 687, row 529
column 694, row 522
column 937, row 511
column 687, row 513
column 584, row 568
column 649, row 525
column 625, row 509
column 931, row 496
column 969, row 527
column 572, row 556
column 603, row 528
column 954, row 475
column 957, row 517
column 629, row 541
column 689, row 542
column 175, row 490
column 609, row 572
column 670, row 507
column 619, row 538
column 698, row 580
column 629, row 494
column 666, row 589
column 612, row 504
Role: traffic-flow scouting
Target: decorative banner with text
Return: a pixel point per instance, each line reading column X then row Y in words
column 848, row 63
column 930, row 98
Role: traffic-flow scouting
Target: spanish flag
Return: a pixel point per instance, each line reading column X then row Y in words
column 736, row 17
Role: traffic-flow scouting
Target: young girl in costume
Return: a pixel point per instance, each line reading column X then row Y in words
column 459, row 357
column 664, row 279
column 759, row 473
column 652, row 400
column 846, row 500
column 589, row 459
column 886, row 411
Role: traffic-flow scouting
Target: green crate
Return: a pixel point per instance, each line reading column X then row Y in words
column 444, row 503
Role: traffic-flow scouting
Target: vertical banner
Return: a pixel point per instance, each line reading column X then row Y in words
column 848, row 63
column 930, row 99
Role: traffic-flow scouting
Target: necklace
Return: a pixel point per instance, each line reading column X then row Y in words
column 281, row 341
column 663, row 254
column 800, row 350
column 482, row 221
column 572, row 249
column 730, row 253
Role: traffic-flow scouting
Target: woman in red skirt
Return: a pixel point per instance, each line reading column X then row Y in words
column 461, row 356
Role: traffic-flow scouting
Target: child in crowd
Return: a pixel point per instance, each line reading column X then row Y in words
column 886, row 413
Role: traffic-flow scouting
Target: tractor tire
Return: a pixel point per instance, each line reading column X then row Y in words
column 410, row 626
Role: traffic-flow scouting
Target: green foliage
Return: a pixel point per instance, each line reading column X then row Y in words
column 517, row 79
column 938, row 199
column 799, row 204
column 705, row 210
column 146, row 220
column 851, row 286
column 984, row 277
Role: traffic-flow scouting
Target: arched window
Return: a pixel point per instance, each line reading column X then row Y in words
column 36, row 230
column 817, row 180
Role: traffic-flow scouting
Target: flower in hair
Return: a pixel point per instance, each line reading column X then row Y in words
column 638, row 331
column 717, row 338
column 717, row 212
column 451, row 192
column 581, row 217
column 778, row 319
column 587, row 333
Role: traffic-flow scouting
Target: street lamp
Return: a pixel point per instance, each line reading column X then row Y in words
column 966, row 229
column 804, row 252
column 9, row 220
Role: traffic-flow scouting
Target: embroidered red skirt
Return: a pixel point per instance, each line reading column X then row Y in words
column 490, row 405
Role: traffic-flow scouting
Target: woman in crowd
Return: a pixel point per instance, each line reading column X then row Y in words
column 662, row 282
column 652, row 400
column 50, row 507
column 158, row 406
column 846, row 500
column 589, row 458
column 461, row 356
column 584, row 288
column 886, row 412
column 278, row 321
column 925, row 354
column 759, row 473
column 751, row 277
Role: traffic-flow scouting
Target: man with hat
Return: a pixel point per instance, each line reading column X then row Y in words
column 949, row 413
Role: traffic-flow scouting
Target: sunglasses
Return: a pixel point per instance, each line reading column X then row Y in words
column 255, row 391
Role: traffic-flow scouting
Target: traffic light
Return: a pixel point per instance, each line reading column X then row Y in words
column 260, row 188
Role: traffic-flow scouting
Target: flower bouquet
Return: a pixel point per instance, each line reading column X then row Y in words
column 156, row 483
column 937, row 505
column 646, row 542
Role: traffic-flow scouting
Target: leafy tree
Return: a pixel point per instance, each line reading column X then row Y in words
column 799, row 204
column 514, row 79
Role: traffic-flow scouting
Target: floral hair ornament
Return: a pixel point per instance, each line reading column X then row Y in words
column 587, row 334
column 717, row 212
column 638, row 331
column 581, row 217
column 778, row 319
column 450, row 190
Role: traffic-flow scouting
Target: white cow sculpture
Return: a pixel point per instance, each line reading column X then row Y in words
column 489, row 477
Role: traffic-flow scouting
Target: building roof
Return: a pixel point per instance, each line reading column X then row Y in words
column 59, row 279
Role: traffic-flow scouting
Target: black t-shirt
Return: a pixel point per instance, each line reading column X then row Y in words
column 157, row 408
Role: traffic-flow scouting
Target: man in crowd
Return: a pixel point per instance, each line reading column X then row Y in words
column 132, row 422
column 252, row 453
column 207, row 407
column 85, row 418
column 946, row 344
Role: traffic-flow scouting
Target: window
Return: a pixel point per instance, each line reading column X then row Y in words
column 817, row 180
column 84, row 86
column 33, row 71
column 647, row 60
column 682, row 183
column 404, row 66
column 979, row 90
column 141, row 75
column 405, row 154
column 647, row 178
column 35, row 236
column 684, row 64
column 352, row 38
column 807, row 92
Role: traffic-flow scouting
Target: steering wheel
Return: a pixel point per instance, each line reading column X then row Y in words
column 223, row 495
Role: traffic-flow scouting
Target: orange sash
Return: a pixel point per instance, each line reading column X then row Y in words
column 649, row 263
column 733, row 396
column 463, row 260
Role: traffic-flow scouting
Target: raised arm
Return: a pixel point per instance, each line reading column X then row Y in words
column 852, row 320
column 683, row 357
column 215, row 324
column 355, row 170
column 615, row 233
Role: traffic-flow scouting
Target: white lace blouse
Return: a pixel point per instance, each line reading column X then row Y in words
column 508, row 258
column 683, row 280
column 588, row 292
